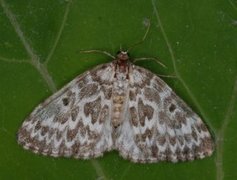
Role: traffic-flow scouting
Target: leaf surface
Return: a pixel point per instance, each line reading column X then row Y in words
column 39, row 53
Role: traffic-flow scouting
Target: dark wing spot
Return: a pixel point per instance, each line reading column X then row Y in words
column 65, row 101
column 154, row 150
column 132, row 95
column 152, row 94
column 104, row 114
column 107, row 91
column 74, row 113
column 144, row 111
column 133, row 114
column 93, row 108
column 89, row 90
column 172, row 108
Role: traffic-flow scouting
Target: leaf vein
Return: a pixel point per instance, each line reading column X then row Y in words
column 59, row 34
column 35, row 60
column 176, row 71
column 221, row 134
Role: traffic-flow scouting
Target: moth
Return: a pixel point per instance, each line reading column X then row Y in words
column 117, row 106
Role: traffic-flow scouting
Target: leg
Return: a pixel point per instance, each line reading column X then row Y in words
column 150, row 59
column 166, row 76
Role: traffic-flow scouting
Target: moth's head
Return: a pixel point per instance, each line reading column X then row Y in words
column 122, row 55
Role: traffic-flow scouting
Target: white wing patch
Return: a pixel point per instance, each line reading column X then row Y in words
column 75, row 121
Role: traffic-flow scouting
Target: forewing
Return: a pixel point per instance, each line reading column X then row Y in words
column 75, row 121
column 159, row 125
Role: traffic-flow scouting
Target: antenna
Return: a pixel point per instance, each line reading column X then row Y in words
column 148, row 24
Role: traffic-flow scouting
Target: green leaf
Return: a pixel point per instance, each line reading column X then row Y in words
column 39, row 45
